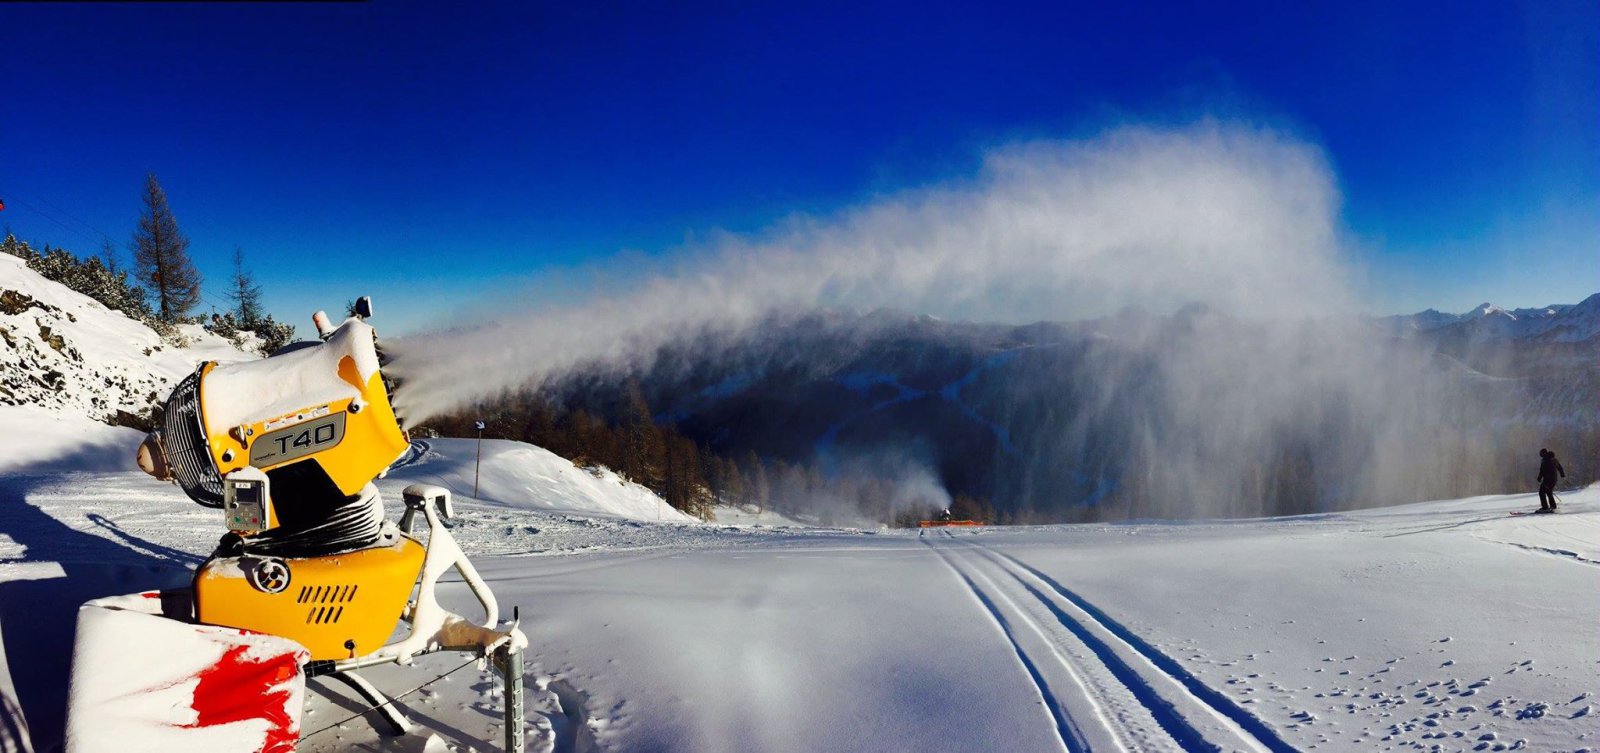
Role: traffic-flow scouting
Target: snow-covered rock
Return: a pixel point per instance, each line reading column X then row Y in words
column 62, row 350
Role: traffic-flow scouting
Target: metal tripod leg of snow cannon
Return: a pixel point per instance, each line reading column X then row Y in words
column 433, row 628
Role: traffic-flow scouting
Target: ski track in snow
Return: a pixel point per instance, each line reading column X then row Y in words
column 1070, row 734
column 1563, row 553
column 1569, row 537
column 1105, row 688
column 1539, row 534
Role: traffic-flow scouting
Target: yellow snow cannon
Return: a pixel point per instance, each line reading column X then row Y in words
column 288, row 448
column 315, row 417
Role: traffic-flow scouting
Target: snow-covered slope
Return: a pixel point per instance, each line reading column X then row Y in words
column 39, row 440
column 520, row 475
column 77, row 522
column 1447, row 624
column 63, row 350
column 1444, row 626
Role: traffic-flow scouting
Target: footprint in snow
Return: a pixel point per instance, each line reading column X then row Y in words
column 1533, row 711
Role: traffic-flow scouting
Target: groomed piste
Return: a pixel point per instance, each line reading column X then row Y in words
column 1443, row 623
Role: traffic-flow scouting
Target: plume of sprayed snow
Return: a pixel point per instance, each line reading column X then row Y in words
column 1261, row 401
column 1239, row 217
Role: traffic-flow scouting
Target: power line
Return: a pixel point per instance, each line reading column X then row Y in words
column 103, row 235
column 51, row 217
column 58, row 210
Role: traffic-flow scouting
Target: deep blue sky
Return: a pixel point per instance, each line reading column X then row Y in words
column 464, row 146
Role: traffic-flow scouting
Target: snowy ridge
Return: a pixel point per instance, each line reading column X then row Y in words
column 1555, row 323
column 62, row 350
column 520, row 475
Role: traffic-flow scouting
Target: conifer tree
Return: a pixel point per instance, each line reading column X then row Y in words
column 161, row 257
column 643, row 457
column 245, row 292
column 108, row 256
column 760, row 488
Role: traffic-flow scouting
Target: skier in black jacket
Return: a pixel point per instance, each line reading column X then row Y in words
column 1549, row 468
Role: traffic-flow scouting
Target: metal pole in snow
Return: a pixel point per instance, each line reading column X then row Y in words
column 510, row 662
column 477, row 466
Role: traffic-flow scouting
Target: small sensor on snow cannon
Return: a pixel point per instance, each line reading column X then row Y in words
column 246, row 500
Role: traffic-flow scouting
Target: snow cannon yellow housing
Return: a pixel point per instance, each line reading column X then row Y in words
column 315, row 418
column 289, row 447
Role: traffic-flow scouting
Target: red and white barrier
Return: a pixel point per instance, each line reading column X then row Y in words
column 146, row 678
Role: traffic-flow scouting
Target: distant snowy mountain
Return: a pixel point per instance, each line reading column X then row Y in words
column 1555, row 323
column 65, row 351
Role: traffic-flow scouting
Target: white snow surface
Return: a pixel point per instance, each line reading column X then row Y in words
column 63, row 350
column 43, row 440
column 520, row 475
column 1440, row 625
column 742, row 515
column 238, row 395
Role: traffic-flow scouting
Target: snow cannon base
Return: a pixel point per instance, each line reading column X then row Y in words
column 337, row 606
column 146, row 677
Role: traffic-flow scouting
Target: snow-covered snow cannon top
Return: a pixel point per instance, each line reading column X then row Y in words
column 316, row 417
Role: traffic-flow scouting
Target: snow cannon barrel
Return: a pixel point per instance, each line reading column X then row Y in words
column 316, row 417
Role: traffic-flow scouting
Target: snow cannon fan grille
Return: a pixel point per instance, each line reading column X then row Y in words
column 183, row 440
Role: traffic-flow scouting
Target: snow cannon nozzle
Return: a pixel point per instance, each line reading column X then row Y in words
column 323, row 324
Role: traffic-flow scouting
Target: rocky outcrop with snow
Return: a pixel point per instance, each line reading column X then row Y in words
column 65, row 351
